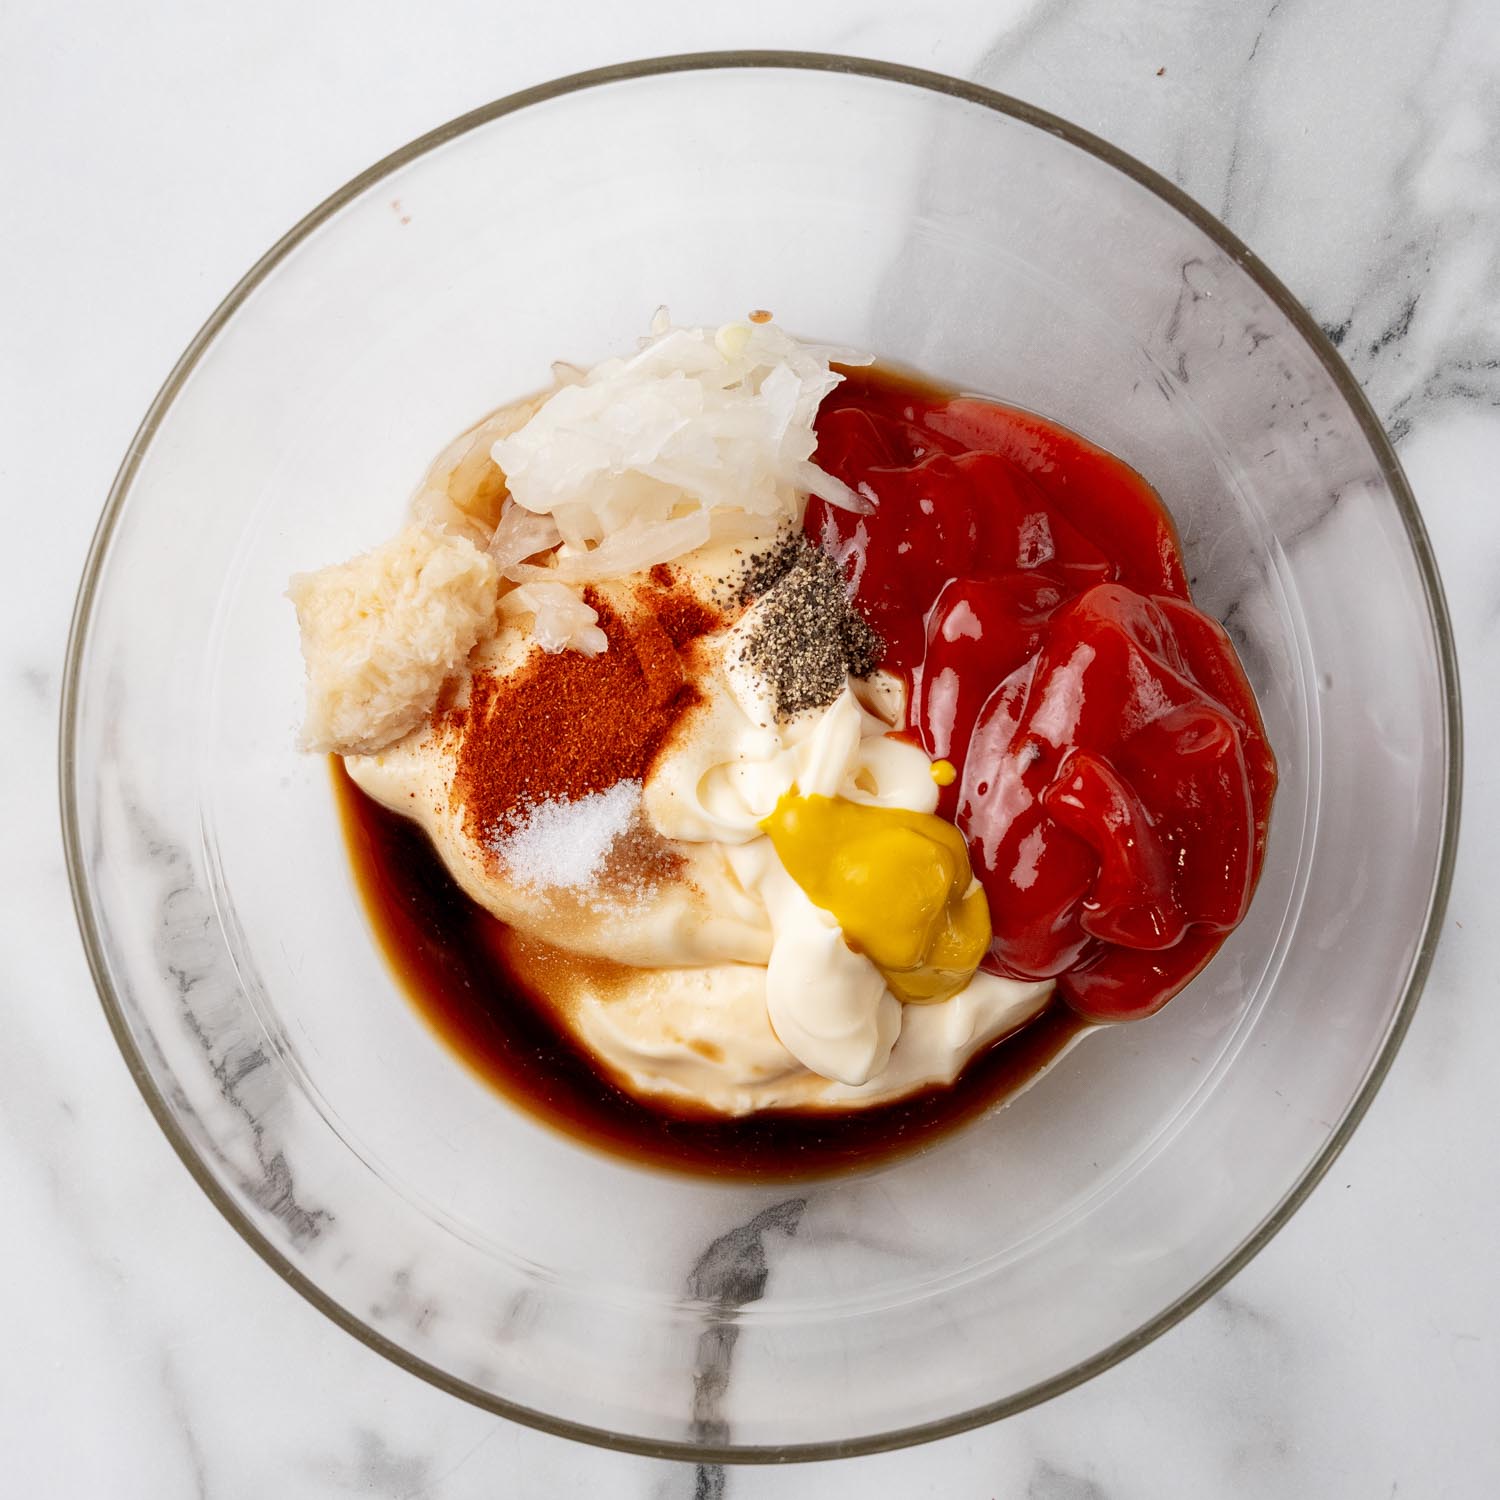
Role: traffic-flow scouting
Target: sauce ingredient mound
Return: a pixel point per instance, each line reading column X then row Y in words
column 1115, row 781
column 791, row 733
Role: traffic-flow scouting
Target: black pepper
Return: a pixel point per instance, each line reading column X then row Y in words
column 806, row 639
column 763, row 570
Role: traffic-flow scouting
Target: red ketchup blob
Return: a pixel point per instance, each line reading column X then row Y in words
column 1114, row 780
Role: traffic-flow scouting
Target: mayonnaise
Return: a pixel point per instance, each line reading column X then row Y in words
column 740, row 992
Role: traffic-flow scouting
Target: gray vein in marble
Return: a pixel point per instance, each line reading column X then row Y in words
column 1259, row 1436
column 710, row 1482
column 1056, row 60
column 194, row 964
column 1260, row 35
column 1239, row 1312
column 518, row 1318
column 1050, row 1482
column 29, row 1087
column 1400, row 198
column 1243, row 103
column 403, row 1304
column 497, row 1430
column 182, row 1421
column 377, row 1469
column 730, row 1274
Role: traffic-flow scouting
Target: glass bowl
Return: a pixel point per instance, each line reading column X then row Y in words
column 939, row 225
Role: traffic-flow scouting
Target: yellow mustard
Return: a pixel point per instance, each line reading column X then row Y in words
column 897, row 882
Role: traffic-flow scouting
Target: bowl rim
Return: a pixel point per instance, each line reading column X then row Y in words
column 1390, row 468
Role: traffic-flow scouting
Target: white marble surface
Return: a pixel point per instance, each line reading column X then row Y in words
column 148, row 154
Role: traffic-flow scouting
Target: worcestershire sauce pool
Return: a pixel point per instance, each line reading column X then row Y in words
column 442, row 946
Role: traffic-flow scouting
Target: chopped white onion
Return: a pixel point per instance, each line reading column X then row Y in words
column 521, row 534
column 631, row 549
column 716, row 419
column 702, row 435
column 563, row 622
column 827, row 487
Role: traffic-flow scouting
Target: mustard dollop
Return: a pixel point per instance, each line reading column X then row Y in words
column 897, row 882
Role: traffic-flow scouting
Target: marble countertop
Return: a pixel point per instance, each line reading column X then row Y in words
column 149, row 154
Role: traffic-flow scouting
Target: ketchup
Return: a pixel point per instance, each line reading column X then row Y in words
column 1114, row 780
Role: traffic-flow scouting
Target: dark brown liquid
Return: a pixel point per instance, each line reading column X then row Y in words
column 447, row 951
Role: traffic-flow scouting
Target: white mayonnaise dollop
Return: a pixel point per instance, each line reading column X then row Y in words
column 740, row 993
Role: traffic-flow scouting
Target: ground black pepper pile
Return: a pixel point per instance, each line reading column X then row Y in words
column 763, row 569
column 806, row 638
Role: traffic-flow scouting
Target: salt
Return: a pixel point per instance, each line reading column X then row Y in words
column 561, row 843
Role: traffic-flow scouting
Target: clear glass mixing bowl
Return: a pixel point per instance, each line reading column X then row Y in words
column 939, row 225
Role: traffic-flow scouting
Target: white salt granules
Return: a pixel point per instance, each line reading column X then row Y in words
column 562, row 843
